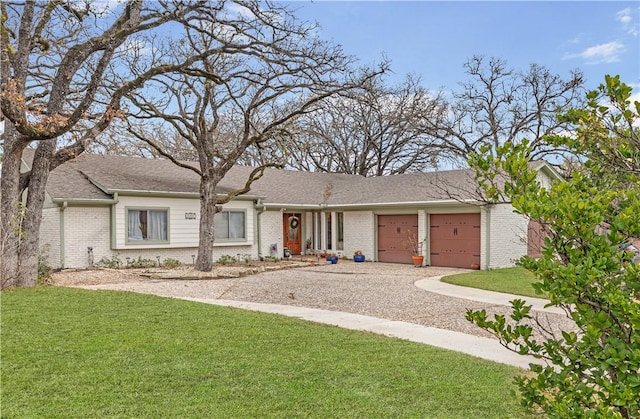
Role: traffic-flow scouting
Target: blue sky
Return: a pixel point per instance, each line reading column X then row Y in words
column 434, row 38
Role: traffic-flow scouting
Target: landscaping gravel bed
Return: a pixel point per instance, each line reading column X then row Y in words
column 375, row 289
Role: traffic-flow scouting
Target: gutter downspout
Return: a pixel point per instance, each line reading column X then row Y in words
column 260, row 208
column 62, row 208
column 113, row 221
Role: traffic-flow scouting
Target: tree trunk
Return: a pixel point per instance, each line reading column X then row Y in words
column 208, row 201
column 20, row 227
column 11, row 209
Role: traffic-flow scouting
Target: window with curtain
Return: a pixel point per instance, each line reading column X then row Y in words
column 147, row 225
column 230, row 225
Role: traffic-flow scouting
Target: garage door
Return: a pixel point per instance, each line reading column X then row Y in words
column 392, row 232
column 455, row 240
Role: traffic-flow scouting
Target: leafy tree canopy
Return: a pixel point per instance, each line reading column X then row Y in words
column 593, row 371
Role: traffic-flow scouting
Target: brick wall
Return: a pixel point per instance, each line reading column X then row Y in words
column 271, row 232
column 359, row 233
column 508, row 236
column 50, row 237
column 86, row 227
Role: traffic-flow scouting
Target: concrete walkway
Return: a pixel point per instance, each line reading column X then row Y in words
column 480, row 347
column 434, row 284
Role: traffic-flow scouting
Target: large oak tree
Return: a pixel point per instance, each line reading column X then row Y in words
column 66, row 68
column 62, row 77
column 268, row 70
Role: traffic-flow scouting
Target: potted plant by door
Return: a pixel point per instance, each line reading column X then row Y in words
column 412, row 243
column 358, row 256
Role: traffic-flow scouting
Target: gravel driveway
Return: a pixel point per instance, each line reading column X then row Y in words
column 374, row 289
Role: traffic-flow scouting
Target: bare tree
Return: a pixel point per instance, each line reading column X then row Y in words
column 117, row 140
column 268, row 70
column 501, row 105
column 374, row 130
column 64, row 69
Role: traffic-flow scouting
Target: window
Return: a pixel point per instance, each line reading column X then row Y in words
column 147, row 225
column 230, row 225
column 340, row 230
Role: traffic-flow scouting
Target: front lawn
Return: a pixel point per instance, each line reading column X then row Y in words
column 510, row 280
column 72, row 353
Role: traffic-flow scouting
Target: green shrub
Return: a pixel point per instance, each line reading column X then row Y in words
column 113, row 262
column 142, row 263
column 226, row 260
column 171, row 263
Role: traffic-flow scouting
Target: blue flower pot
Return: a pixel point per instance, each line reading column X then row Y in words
column 358, row 258
column 332, row 259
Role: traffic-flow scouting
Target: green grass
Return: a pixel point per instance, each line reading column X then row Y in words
column 70, row 353
column 510, row 280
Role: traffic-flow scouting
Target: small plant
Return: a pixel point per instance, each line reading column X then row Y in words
column 171, row 263
column 246, row 258
column 44, row 270
column 270, row 259
column 412, row 243
column 309, row 243
column 113, row 262
column 226, row 260
column 142, row 263
column 357, row 253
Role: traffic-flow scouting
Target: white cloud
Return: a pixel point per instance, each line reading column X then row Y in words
column 625, row 16
column 603, row 53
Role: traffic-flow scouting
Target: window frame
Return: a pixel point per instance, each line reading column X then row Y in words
column 128, row 241
column 244, row 239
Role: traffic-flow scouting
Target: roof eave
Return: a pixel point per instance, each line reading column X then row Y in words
column 404, row 204
column 174, row 194
column 85, row 201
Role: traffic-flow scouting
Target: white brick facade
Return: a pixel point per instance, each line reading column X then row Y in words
column 507, row 240
column 86, row 227
column 503, row 236
column 271, row 233
column 50, row 237
column 359, row 233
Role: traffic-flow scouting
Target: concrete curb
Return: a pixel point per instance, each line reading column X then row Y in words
column 480, row 347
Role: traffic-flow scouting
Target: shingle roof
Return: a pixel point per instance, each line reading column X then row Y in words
column 97, row 177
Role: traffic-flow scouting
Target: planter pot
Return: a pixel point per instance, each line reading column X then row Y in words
column 475, row 266
column 358, row 258
column 332, row 259
column 417, row 260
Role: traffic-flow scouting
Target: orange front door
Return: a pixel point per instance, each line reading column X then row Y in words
column 292, row 225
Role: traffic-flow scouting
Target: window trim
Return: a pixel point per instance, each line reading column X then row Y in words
column 244, row 239
column 127, row 241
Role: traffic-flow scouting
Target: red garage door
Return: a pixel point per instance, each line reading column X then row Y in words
column 392, row 232
column 455, row 240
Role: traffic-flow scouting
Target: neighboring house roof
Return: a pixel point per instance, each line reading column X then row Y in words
column 98, row 177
